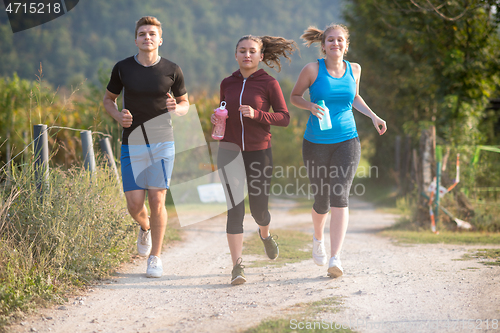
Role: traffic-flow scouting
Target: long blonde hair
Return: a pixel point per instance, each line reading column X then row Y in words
column 314, row 35
column 273, row 48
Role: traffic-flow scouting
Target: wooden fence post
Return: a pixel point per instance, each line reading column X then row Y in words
column 8, row 157
column 415, row 171
column 405, row 167
column 397, row 162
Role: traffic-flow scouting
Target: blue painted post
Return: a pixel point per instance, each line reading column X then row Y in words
column 439, row 159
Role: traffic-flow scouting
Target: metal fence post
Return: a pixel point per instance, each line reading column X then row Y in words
column 41, row 151
column 108, row 152
column 88, row 151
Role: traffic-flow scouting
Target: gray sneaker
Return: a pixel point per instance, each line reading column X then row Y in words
column 270, row 246
column 237, row 274
column 155, row 268
column 335, row 267
column 144, row 242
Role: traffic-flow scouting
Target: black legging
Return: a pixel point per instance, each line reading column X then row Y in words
column 331, row 169
column 258, row 168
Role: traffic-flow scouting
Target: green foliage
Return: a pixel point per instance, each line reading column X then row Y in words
column 27, row 103
column 73, row 230
column 198, row 35
column 424, row 65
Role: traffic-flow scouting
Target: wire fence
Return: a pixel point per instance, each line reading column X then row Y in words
column 41, row 153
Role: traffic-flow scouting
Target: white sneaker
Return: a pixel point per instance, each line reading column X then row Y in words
column 319, row 254
column 335, row 267
column 155, row 268
column 144, row 242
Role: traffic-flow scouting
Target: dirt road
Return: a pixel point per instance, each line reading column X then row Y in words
column 386, row 287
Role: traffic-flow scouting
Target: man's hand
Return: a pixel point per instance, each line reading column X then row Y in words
column 171, row 103
column 125, row 118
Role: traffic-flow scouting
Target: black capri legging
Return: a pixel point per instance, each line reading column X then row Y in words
column 257, row 169
column 331, row 169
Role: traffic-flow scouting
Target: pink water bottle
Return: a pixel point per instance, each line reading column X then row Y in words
column 220, row 122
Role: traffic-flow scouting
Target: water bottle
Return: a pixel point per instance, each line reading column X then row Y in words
column 325, row 123
column 220, row 124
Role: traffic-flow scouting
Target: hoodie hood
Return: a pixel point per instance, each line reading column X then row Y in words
column 260, row 72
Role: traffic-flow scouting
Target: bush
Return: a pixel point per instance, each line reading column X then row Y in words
column 73, row 229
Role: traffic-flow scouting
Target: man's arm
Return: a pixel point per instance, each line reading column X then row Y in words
column 124, row 117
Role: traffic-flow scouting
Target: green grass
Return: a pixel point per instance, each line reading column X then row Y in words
column 73, row 231
column 294, row 246
column 305, row 318
column 444, row 236
column 485, row 254
column 77, row 230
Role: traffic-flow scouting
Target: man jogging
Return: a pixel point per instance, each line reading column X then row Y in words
column 153, row 90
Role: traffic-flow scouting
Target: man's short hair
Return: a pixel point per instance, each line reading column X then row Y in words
column 147, row 20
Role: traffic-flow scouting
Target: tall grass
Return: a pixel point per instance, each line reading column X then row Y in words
column 71, row 231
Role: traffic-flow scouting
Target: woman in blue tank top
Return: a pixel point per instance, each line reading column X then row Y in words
column 331, row 156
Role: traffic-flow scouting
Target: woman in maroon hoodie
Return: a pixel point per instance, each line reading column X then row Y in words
column 249, row 93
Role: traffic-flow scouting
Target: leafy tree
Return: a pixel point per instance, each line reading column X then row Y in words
column 427, row 62
column 198, row 35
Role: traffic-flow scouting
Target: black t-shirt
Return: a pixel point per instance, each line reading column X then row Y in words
column 145, row 95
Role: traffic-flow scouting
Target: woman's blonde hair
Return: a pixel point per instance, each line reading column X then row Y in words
column 273, row 48
column 314, row 35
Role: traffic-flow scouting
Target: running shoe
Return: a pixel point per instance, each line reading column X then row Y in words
column 144, row 242
column 155, row 268
column 335, row 267
column 238, row 275
column 319, row 253
column 270, row 246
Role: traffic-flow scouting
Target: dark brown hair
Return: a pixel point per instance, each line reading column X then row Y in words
column 273, row 48
column 314, row 35
column 147, row 20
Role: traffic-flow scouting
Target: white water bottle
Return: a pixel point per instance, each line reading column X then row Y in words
column 325, row 123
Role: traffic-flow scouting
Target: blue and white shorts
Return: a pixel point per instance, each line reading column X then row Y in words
column 146, row 167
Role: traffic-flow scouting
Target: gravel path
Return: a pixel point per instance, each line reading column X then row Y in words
column 386, row 287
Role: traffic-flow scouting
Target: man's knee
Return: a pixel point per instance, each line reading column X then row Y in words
column 156, row 200
column 135, row 207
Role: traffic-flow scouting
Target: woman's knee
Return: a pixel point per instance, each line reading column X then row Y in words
column 262, row 218
column 321, row 205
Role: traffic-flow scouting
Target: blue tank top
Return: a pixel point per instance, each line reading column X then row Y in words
column 338, row 94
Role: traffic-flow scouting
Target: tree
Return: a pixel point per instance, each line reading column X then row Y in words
column 427, row 62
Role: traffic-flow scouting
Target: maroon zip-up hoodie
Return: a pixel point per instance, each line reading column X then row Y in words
column 261, row 91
